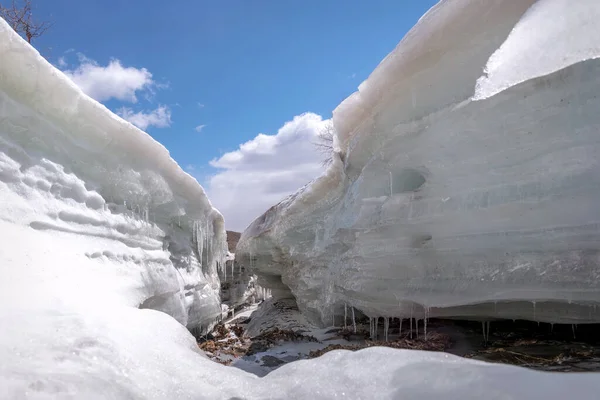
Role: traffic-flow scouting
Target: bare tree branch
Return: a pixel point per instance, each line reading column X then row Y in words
column 19, row 15
column 324, row 143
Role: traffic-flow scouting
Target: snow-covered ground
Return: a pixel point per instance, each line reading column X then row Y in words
column 108, row 250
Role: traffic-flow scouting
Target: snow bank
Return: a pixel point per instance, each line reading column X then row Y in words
column 466, row 180
column 77, row 175
column 541, row 44
column 99, row 228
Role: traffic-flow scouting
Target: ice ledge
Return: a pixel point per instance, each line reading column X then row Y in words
column 72, row 170
column 504, row 225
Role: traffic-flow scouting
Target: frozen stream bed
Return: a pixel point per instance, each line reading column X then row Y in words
column 265, row 337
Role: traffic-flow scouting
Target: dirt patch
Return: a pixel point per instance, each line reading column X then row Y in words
column 232, row 240
column 546, row 355
column 546, row 347
column 225, row 341
column 434, row 342
column 276, row 336
column 270, row 361
column 231, row 341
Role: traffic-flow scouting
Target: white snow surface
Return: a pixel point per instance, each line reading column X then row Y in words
column 552, row 35
column 465, row 181
column 99, row 229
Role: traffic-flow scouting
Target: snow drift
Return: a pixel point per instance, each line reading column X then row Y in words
column 76, row 177
column 465, row 182
column 99, row 228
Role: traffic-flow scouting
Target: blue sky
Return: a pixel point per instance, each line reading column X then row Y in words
column 204, row 77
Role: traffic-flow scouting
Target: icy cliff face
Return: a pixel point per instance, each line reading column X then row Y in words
column 77, row 177
column 465, row 182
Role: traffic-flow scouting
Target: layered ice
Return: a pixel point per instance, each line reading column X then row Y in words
column 238, row 285
column 75, row 175
column 108, row 250
column 465, row 177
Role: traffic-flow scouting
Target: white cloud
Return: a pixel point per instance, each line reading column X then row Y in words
column 160, row 118
column 199, row 128
column 62, row 62
column 200, row 105
column 110, row 81
column 266, row 169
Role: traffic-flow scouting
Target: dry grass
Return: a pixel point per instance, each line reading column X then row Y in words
column 434, row 342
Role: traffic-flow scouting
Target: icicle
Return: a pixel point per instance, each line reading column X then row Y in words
column 533, row 310
column 400, row 331
column 411, row 319
column 573, row 329
column 345, row 315
column 386, row 327
column 417, row 325
column 425, row 320
column 551, row 327
column 373, row 330
column 391, row 185
column 205, row 243
column 483, row 330
column 375, row 323
column 486, row 330
column 353, row 320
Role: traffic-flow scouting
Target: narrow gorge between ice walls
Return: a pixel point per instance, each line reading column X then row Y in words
column 464, row 185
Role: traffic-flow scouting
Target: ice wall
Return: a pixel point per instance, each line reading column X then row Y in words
column 465, row 179
column 75, row 174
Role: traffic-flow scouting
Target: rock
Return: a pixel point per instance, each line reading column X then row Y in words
column 270, row 361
